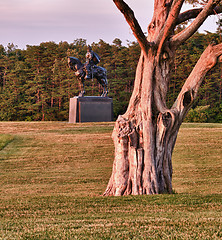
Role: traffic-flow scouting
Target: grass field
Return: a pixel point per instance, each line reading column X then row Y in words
column 52, row 176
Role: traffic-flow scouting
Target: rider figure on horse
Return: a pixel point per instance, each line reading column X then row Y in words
column 92, row 59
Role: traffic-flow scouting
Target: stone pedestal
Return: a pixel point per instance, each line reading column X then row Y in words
column 90, row 109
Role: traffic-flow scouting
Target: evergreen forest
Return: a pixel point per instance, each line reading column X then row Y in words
column 36, row 83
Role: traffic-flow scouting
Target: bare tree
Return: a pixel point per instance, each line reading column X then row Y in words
column 144, row 137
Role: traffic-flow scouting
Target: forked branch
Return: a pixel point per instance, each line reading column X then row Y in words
column 133, row 23
column 170, row 23
column 198, row 21
column 193, row 13
column 207, row 61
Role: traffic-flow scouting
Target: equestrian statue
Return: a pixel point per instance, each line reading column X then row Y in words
column 89, row 70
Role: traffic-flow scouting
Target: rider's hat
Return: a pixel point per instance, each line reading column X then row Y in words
column 89, row 48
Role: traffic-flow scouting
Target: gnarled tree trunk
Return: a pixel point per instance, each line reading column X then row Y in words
column 145, row 136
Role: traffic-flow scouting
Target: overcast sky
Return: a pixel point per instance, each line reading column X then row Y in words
column 30, row 22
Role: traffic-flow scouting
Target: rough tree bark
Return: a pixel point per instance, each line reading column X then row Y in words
column 144, row 137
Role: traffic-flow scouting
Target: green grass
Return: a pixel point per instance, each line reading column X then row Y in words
column 52, row 176
column 5, row 139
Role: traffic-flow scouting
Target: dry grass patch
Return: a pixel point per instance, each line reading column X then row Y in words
column 52, row 158
column 197, row 159
column 52, row 176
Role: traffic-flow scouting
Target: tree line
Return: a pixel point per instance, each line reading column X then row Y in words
column 36, row 83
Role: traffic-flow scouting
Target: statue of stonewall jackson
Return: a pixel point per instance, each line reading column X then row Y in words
column 89, row 70
column 92, row 59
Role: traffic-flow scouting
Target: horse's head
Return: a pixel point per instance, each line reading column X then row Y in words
column 71, row 63
column 74, row 63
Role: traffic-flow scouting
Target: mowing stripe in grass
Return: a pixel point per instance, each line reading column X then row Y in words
column 5, row 139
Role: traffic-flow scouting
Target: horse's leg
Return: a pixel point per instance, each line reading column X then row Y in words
column 105, row 88
column 105, row 82
column 82, row 88
column 101, row 81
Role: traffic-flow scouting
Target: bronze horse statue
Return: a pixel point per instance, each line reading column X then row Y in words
column 80, row 71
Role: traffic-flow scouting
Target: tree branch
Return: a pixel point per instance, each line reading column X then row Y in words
column 198, row 21
column 133, row 23
column 207, row 61
column 170, row 23
column 193, row 13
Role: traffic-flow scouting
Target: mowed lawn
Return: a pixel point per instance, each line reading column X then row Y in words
column 53, row 175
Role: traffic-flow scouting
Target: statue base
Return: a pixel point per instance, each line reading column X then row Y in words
column 90, row 109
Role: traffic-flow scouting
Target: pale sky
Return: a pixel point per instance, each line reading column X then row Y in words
column 30, row 22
